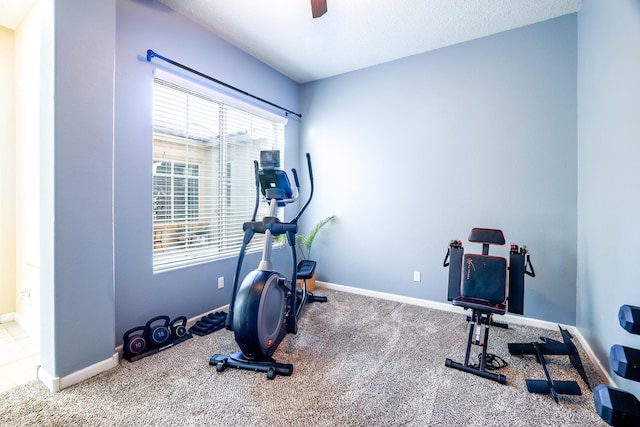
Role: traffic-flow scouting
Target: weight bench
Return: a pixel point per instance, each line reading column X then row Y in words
column 486, row 285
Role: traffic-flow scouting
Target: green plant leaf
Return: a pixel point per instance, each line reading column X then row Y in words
column 305, row 242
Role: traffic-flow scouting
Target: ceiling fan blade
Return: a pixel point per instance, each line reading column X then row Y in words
column 318, row 8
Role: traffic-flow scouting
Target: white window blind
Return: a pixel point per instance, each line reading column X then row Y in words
column 203, row 176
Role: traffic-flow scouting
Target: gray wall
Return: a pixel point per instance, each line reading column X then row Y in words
column 142, row 25
column 414, row 153
column 77, row 322
column 608, row 153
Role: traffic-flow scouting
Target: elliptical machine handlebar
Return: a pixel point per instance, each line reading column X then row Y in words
column 256, row 166
column 272, row 224
column 295, row 220
column 295, row 178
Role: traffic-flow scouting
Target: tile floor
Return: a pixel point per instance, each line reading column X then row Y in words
column 19, row 356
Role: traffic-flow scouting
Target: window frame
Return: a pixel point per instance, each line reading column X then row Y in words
column 193, row 242
column 190, row 209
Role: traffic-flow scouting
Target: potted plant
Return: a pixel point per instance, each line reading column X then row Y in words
column 304, row 243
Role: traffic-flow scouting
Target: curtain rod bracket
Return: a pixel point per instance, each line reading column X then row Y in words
column 151, row 54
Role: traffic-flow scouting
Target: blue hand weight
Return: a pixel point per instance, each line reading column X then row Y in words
column 629, row 318
column 158, row 332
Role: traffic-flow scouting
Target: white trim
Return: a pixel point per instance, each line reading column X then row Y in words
column 510, row 318
column 28, row 327
column 52, row 383
column 6, row 318
column 56, row 384
column 218, row 95
column 518, row 320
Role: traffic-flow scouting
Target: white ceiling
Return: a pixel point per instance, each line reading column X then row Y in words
column 12, row 12
column 355, row 34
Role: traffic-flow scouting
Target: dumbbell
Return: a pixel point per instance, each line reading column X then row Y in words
column 214, row 320
column 625, row 361
column 134, row 341
column 616, row 407
column 178, row 327
column 629, row 318
column 158, row 332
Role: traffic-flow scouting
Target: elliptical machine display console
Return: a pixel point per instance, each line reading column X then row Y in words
column 264, row 308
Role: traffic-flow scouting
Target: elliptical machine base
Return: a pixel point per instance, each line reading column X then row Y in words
column 239, row 361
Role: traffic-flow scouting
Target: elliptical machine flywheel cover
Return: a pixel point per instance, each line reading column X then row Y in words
column 259, row 312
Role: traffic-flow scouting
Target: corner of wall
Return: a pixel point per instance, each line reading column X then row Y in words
column 55, row 384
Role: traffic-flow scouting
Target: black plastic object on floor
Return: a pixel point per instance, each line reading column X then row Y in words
column 549, row 385
column 209, row 323
column 239, row 361
column 549, row 346
column 138, row 342
column 616, row 407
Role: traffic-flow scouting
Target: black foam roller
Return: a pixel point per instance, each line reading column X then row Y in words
column 616, row 407
column 629, row 318
column 625, row 362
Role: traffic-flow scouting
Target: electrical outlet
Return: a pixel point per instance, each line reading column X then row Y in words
column 416, row 276
column 25, row 293
column 220, row 282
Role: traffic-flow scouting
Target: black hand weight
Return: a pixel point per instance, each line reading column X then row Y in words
column 134, row 341
column 178, row 327
column 629, row 318
column 158, row 331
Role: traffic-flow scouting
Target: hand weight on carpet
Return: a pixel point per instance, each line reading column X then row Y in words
column 158, row 331
column 210, row 323
column 178, row 327
column 134, row 341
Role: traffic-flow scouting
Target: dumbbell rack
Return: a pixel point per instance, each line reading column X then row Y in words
column 151, row 340
column 615, row 406
column 152, row 351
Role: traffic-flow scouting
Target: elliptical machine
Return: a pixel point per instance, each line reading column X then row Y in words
column 266, row 306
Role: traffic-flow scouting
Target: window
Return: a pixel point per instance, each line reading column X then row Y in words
column 175, row 191
column 203, row 173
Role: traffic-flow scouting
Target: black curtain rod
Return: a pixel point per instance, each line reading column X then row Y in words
column 152, row 54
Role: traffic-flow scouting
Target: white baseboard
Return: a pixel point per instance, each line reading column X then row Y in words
column 15, row 317
column 8, row 317
column 55, row 384
column 587, row 348
column 509, row 318
column 27, row 326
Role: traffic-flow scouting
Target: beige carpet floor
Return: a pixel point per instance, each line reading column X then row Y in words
column 358, row 361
